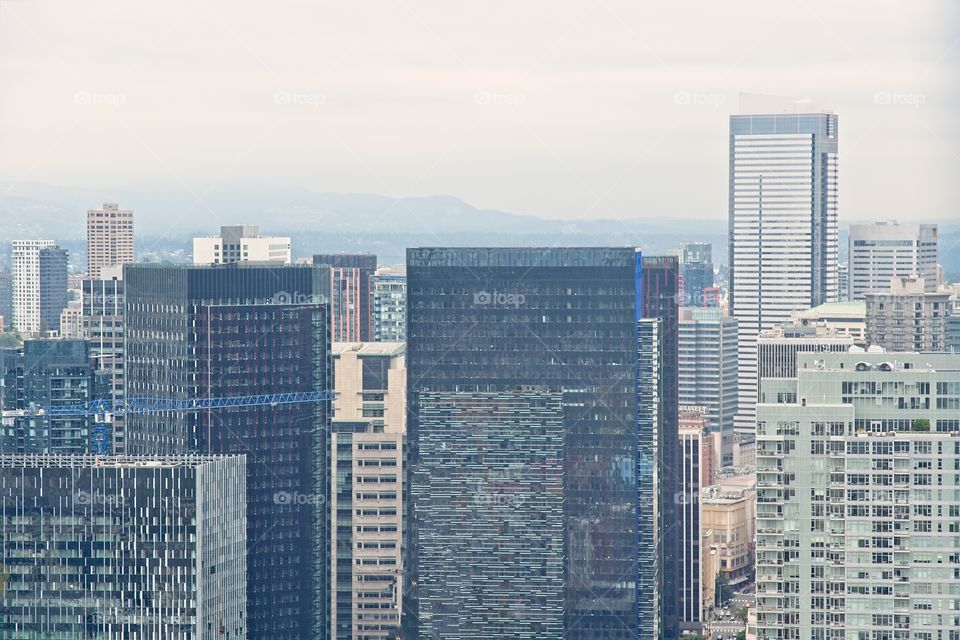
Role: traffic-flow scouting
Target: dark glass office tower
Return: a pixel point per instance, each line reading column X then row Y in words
column 659, row 284
column 491, row 328
column 351, row 284
column 696, row 272
column 52, row 287
column 45, row 374
column 245, row 329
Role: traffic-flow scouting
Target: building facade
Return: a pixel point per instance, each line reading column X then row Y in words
column 26, row 284
column 882, row 251
column 783, row 222
column 109, row 238
column 708, row 370
column 352, row 286
column 858, row 499
column 6, row 297
column 104, row 327
column 778, row 350
column 241, row 243
column 117, row 548
column 48, row 374
column 845, row 318
column 696, row 273
column 906, row 317
column 368, row 440
column 554, row 334
column 244, row 330
column 696, row 472
column 727, row 525
column 389, row 305
column 53, row 295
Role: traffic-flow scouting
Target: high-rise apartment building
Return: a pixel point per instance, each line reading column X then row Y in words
column 858, row 498
column 517, row 399
column 109, row 238
column 245, row 329
column 118, row 548
column 26, row 284
column 241, row 243
column 907, row 317
column 783, row 221
column 696, row 272
column 882, row 251
column 708, row 370
column 352, row 287
column 389, row 305
column 103, row 327
column 45, row 374
column 367, row 444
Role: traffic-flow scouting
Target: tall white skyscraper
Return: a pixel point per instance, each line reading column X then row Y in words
column 783, row 221
column 882, row 251
column 26, row 284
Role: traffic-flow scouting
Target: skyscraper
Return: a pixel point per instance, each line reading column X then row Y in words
column 245, row 329
column 109, row 238
column 882, row 251
column 351, row 284
column 858, row 498
column 53, row 296
column 524, row 380
column 907, row 317
column 708, row 370
column 44, row 374
column 241, row 243
column 783, row 221
column 389, row 305
column 696, row 272
column 696, row 472
column 368, row 440
column 26, row 284
column 116, row 548
column 103, row 326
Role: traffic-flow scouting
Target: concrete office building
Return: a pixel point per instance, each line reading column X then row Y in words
column 241, row 243
column 727, row 526
column 104, row 327
column 907, row 317
column 882, row 251
column 783, row 221
column 708, row 370
column 858, row 499
column 368, row 439
column 778, row 349
column 232, row 330
column 696, row 472
column 845, row 318
column 696, row 272
column 116, row 548
column 109, row 238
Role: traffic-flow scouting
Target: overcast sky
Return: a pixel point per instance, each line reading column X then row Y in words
column 608, row 108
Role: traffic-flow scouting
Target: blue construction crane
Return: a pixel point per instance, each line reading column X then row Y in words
column 156, row 405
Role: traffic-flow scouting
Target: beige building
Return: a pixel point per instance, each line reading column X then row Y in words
column 241, row 243
column 727, row 523
column 843, row 318
column 907, row 317
column 109, row 238
column 367, row 467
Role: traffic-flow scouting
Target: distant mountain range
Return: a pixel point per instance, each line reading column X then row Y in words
column 323, row 222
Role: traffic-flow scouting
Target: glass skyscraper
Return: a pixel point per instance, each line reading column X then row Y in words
column 245, row 329
column 554, row 336
column 782, row 222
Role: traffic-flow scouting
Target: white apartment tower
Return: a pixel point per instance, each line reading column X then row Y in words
column 858, row 499
column 882, row 251
column 241, row 243
column 783, row 235
column 109, row 238
column 26, row 284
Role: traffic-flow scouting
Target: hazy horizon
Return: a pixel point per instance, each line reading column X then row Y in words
column 560, row 112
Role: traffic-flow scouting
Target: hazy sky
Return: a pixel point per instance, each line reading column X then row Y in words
column 608, row 108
